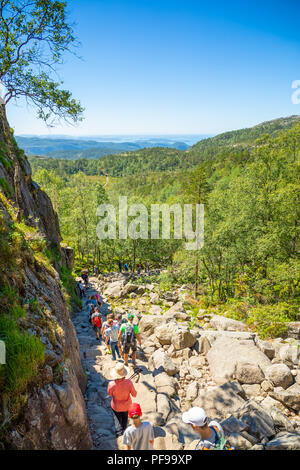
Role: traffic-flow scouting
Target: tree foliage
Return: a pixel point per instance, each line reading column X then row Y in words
column 34, row 35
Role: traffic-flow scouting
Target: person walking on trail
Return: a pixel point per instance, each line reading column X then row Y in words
column 89, row 305
column 139, row 436
column 97, row 297
column 96, row 321
column 212, row 434
column 96, row 271
column 126, row 267
column 81, row 289
column 85, row 277
column 120, row 266
column 121, row 390
column 120, row 319
column 111, row 338
column 128, row 336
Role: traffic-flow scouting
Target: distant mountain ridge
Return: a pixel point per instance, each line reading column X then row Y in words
column 74, row 149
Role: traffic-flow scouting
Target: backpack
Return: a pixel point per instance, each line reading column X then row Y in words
column 220, row 444
column 129, row 334
column 97, row 321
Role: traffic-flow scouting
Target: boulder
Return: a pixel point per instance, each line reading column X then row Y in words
column 233, row 425
column 280, row 375
column 289, row 354
column 226, row 353
column 294, row 329
column 129, row 288
column 148, row 323
column 289, row 397
column 167, row 442
column 222, row 323
column 177, row 311
column 212, row 335
column 154, row 298
column 219, row 401
column 248, row 373
column 155, row 310
column 183, row 338
column 261, row 424
column 166, row 384
column 164, row 332
column 114, row 290
column 285, row 441
column 163, row 406
column 251, row 391
column 162, row 363
column 266, row 347
column 192, row 391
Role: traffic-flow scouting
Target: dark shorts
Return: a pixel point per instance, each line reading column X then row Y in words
column 126, row 347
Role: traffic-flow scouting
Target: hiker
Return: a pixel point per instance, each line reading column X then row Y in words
column 212, row 434
column 126, row 267
column 85, row 277
column 111, row 338
column 128, row 335
column 120, row 319
column 97, row 297
column 139, row 436
column 120, row 390
column 138, row 268
column 147, row 267
column 120, row 266
column 81, row 289
column 96, row 271
column 89, row 305
column 96, row 321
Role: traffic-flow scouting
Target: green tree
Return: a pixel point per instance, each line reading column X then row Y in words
column 34, row 35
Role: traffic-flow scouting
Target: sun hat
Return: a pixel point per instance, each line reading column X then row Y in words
column 134, row 409
column 130, row 315
column 196, row 416
column 119, row 372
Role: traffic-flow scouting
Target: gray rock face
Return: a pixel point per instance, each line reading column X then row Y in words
column 280, row 375
column 227, row 324
column 285, row 441
column 226, row 353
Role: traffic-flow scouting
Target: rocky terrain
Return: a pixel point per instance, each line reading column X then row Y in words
column 252, row 387
column 48, row 411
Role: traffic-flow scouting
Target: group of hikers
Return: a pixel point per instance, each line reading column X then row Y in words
column 121, row 337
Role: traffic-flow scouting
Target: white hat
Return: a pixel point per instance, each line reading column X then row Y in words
column 119, row 372
column 196, row 416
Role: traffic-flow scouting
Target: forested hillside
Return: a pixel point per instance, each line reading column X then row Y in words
column 224, row 146
column 249, row 264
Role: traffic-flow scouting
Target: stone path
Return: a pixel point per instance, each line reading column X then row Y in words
column 97, row 366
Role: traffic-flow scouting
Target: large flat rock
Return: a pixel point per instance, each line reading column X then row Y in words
column 226, row 353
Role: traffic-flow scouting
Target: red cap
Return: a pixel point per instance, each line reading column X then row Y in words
column 134, row 410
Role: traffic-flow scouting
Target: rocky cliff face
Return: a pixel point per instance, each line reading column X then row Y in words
column 47, row 410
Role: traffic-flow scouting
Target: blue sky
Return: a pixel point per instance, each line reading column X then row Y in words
column 160, row 67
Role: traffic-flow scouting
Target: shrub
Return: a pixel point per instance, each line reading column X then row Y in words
column 24, row 355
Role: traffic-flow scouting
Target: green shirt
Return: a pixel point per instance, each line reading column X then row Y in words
column 136, row 328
